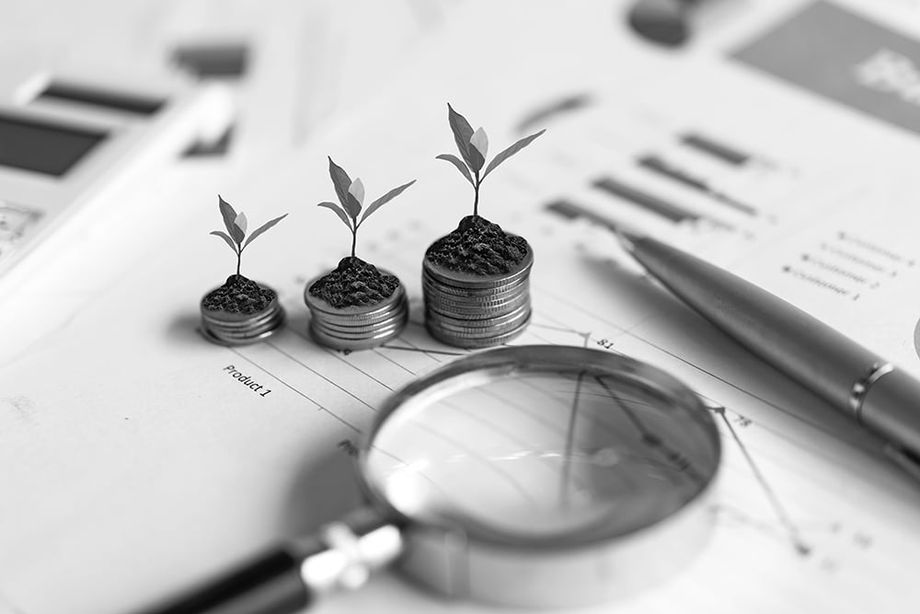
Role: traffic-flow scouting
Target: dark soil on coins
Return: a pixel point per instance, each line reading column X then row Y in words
column 354, row 283
column 238, row 295
column 479, row 247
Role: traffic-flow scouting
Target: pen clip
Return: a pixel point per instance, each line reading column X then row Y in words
column 908, row 461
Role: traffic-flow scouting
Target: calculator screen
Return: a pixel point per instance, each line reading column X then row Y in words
column 42, row 146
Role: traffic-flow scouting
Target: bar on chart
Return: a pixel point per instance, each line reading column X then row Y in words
column 648, row 202
column 716, row 149
column 663, row 168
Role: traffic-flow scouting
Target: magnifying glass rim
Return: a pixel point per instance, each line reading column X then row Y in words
column 534, row 358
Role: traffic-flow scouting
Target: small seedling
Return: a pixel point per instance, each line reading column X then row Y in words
column 351, row 198
column 474, row 147
column 235, row 224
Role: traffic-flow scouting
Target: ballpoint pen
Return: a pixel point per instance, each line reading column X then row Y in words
column 855, row 380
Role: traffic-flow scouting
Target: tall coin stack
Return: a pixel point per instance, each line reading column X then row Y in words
column 358, row 327
column 476, row 311
column 228, row 328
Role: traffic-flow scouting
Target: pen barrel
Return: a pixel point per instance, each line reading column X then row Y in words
column 796, row 343
column 891, row 409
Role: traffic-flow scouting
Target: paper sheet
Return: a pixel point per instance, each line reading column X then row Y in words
column 134, row 464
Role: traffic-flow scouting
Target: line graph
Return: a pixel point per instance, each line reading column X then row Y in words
column 388, row 367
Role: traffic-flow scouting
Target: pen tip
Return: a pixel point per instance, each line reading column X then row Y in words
column 627, row 238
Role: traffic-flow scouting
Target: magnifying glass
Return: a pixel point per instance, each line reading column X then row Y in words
column 528, row 476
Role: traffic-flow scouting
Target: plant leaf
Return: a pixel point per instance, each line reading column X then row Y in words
column 338, row 211
column 241, row 222
column 263, row 228
column 459, row 164
column 223, row 235
column 476, row 159
column 385, row 199
column 462, row 132
column 354, row 199
column 356, row 189
column 340, row 180
column 527, row 140
column 352, row 207
column 227, row 212
column 480, row 140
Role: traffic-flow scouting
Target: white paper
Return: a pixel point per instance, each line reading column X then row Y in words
column 135, row 464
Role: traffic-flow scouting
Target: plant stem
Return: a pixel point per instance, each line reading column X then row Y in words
column 476, row 193
column 354, row 240
column 239, row 258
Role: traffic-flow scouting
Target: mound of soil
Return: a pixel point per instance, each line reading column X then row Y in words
column 354, row 283
column 479, row 247
column 238, row 295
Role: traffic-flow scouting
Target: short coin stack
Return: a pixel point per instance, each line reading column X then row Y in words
column 357, row 327
column 476, row 311
column 235, row 328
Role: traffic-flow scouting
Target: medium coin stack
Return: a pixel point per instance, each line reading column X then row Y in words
column 476, row 311
column 358, row 327
column 228, row 328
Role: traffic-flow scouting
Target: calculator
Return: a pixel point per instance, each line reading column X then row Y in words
column 68, row 138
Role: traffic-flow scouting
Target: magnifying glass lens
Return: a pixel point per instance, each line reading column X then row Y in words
column 530, row 476
column 545, row 453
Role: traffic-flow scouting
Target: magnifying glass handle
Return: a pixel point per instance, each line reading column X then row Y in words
column 268, row 584
column 289, row 578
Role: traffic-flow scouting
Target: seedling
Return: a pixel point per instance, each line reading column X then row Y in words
column 351, row 200
column 236, row 224
column 474, row 147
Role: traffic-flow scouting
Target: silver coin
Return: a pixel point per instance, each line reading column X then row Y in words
column 470, row 280
column 481, row 309
column 352, row 344
column 454, row 286
column 239, row 332
column 257, row 326
column 388, row 331
column 357, row 327
column 479, row 323
column 357, row 320
column 480, row 328
column 361, row 324
column 461, row 284
column 498, row 294
column 476, row 311
column 474, row 342
column 503, row 303
column 398, row 322
column 214, row 338
column 253, row 320
column 473, row 321
column 360, row 311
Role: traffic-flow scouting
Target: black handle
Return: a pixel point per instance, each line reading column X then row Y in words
column 268, row 584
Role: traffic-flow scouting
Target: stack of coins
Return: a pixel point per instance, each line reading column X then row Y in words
column 229, row 328
column 359, row 327
column 476, row 311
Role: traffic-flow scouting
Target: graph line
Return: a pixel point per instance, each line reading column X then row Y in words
column 782, row 515
column 295, row 390
column 315, row 372
column 420, row 350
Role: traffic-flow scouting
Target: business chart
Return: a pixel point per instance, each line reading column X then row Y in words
column 158, row 458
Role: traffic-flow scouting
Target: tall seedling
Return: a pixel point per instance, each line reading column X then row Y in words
column 236, row 223
column 351, row 201
column 474, row 147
